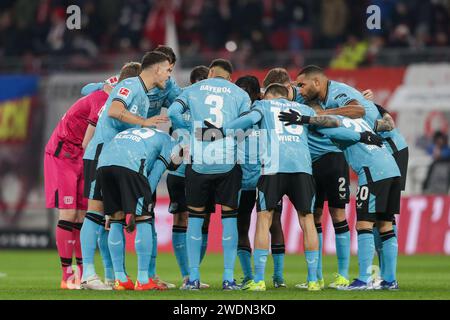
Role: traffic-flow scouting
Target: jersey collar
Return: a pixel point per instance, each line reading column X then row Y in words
column 143, row 84
column 328, row 90
column 294, row 93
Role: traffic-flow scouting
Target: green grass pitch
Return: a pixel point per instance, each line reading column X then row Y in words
column 36, row 275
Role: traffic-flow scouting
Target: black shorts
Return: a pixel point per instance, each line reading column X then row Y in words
column 401, row 157
column 92, row 189
column 379, row 200
column 91, row 186
column 125, row 190
column 331, row 174
column 299, row 187
column 247, row 202
column 177, row 194
column 224, row 187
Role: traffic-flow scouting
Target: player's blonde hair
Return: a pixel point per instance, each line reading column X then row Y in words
column 130, row 69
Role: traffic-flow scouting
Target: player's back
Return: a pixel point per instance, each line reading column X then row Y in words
column 248, row 158
column 370, row 162
column 340, row 94
column 218, row 101
column 136, row 149
column 286, row 146
column 132, row 93
column 72, row 126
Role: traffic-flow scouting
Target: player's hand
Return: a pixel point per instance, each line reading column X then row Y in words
column 107, row 88
column 292, row 117
column 368, row 94
column 368, row 137
column 107, row 223
column 153, row 121
column 208, row 133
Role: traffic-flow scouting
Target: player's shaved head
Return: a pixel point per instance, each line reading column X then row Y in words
column 276, row 90
column 153, row 57
column 311, row 70
column 168, row 51
column 130, row 69
column 276, row 75
column 199, row 73
column 250, row 84
column 220, row 68
column 311, row 81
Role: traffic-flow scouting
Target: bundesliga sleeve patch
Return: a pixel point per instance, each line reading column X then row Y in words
column 113, row 80
column 124, row 92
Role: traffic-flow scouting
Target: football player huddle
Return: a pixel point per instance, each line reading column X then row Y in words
column 235, row 145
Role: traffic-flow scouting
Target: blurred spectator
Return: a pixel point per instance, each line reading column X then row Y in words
column 264, row 32
column 438, row 176
column 55, row 37
column 334, row 16
column 401, row 37
column 351, row 55
column 439, row 148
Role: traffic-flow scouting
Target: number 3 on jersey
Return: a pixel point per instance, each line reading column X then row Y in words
column 217, row 104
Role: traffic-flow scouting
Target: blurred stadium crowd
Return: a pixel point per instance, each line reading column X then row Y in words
column 254, row 28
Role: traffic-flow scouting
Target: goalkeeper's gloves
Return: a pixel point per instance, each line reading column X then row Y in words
column 293, row 117
column 368, row 137
column 210, row 133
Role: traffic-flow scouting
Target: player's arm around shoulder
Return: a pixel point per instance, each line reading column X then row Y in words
column 304, row 115
column 353, row 110
column 325, row 121
column 178, row 108
column 387, row 123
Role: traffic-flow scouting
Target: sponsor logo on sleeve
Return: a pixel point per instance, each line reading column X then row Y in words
column 124, row 92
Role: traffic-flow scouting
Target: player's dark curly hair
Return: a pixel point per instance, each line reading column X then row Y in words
column 153, row 57
column 310, row 70
column 223, row 64
column 168, row 51
column 250, row 84
column 199, row 73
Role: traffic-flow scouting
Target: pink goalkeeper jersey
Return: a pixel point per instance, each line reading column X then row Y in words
column 67, row 138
